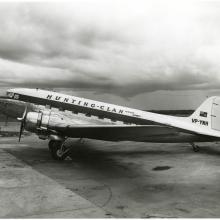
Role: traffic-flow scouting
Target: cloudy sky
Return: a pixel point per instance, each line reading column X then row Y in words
column 144, row 54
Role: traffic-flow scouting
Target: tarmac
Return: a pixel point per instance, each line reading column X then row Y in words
column 108, row 179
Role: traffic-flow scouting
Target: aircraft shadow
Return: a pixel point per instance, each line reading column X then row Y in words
column 209, row 151
column 104, row 161
column 84, row 157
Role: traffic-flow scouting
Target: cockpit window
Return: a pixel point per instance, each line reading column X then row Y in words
column 10, row 94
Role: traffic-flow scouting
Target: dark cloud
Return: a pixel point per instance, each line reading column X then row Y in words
column 110, row 46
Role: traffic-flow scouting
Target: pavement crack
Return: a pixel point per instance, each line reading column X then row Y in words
column 109, row 197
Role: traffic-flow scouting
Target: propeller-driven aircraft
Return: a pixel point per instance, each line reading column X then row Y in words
column 56, row 117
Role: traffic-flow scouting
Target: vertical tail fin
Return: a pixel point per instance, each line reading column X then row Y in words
column 207, row 114
column 202, row 115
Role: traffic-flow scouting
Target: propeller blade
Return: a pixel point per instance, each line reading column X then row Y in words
column 21, row 131
column 23, row 120
column 25, row 112
column 24, row 115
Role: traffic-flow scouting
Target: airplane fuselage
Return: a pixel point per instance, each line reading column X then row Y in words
column 155, row 133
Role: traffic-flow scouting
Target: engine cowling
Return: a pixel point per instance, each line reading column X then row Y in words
column 36, row 121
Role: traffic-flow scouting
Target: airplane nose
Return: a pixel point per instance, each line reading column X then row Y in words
column 3, row 104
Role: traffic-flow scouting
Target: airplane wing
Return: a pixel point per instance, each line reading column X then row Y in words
column 120, row 132
column 115, row 132
column 139, row 133
column 79, row 126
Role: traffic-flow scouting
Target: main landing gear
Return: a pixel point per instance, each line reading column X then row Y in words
column 195, row 147
column 58, row 149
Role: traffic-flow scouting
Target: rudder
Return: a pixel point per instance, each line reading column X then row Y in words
column 215, row 115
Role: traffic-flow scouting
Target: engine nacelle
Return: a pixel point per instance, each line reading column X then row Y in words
column 36, row 121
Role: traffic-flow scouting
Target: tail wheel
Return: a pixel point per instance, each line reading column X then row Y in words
column 56, row 151
column 195, row 147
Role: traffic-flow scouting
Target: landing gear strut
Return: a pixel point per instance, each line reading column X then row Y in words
column 195, row 147
column 57, row 149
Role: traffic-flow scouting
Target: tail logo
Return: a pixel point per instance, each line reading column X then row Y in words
column 203, row 114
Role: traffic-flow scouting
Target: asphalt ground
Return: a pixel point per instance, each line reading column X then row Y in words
column 109, row 179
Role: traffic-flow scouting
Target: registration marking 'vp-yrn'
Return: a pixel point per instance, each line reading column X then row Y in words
column 201, row 122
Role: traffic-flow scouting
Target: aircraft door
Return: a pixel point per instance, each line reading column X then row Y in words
column 216, row 114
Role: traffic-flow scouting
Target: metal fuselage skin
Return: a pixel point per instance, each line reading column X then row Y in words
column 14, row 108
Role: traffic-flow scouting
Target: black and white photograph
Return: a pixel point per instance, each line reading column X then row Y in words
column 109, row 109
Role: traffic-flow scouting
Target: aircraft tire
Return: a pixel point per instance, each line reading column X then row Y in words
column 54, row 147
column 50, row 144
